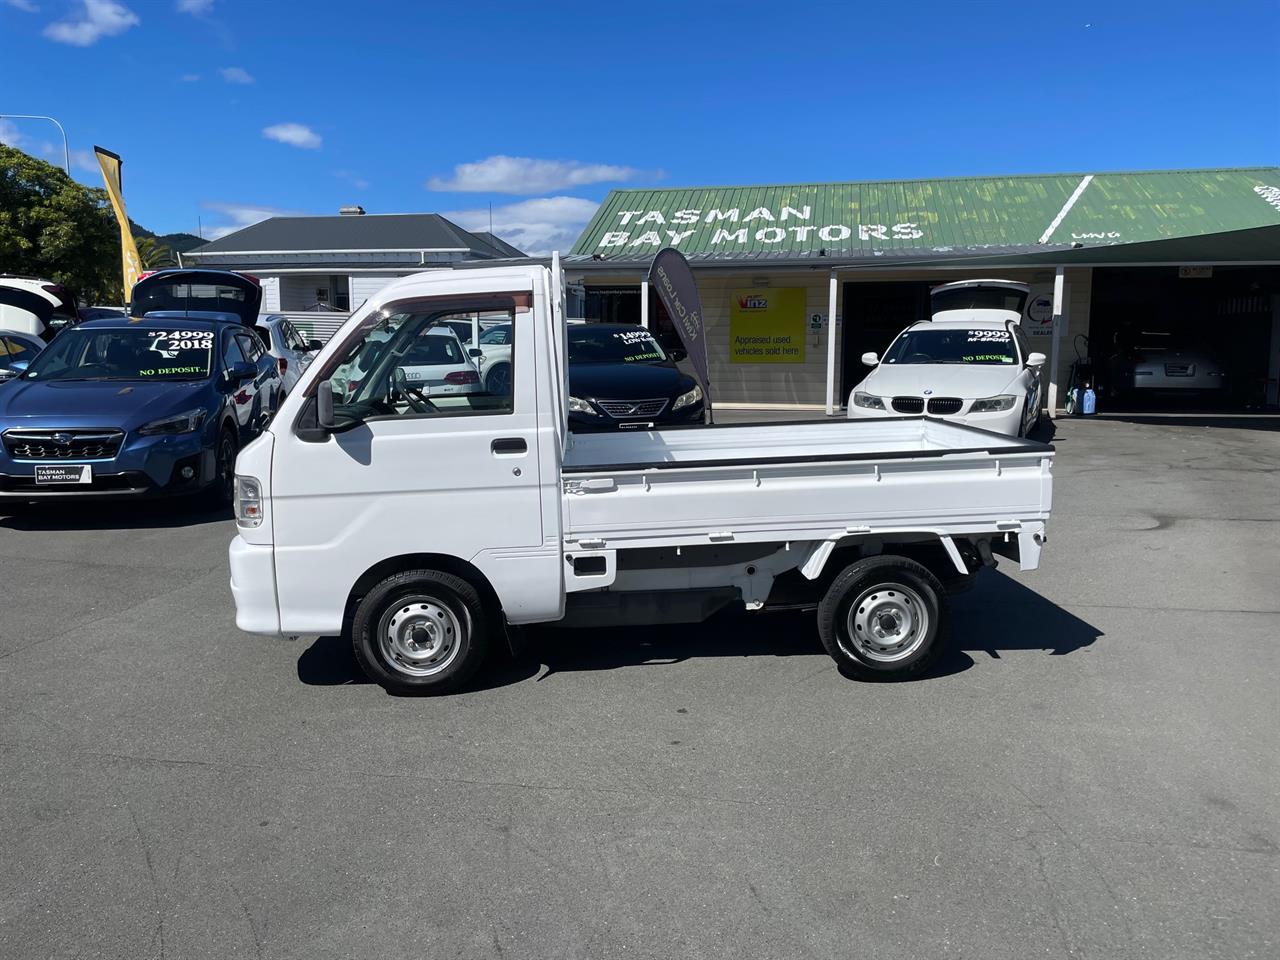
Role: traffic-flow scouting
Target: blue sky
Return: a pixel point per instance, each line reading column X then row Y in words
column 226, row 111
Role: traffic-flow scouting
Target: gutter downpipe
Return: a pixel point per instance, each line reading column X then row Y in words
column 831, row 346
column 644, row 303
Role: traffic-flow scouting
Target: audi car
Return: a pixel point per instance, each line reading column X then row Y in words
column 620, row 378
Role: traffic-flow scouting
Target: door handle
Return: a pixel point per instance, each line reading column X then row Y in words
column 509, row 446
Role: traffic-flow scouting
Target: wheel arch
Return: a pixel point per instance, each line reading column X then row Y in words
column 445, row 563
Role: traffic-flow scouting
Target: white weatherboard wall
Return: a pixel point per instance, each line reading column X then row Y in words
column 362, row 288
column 780, row 383
column 270, row 294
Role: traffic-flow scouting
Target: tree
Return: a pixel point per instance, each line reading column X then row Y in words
column 153, row 254
column 57, row 229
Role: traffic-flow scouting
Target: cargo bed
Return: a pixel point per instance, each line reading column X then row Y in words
column 809, row 481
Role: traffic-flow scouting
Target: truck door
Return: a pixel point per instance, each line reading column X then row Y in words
column 451, row 470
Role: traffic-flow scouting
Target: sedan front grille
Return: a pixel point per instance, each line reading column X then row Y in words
column 622, row 409
column 55, row 445
column 908, row 404
column 945, row 405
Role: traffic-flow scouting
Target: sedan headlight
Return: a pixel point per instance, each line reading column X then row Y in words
column 581, row 406
column 185, row 422
column 248, row 502
column 692, row 396
column 866, row 400
column 994, row 404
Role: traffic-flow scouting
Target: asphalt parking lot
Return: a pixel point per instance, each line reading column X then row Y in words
column 1092, row 772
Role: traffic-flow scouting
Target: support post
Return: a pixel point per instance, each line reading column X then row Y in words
column 1061, row 316
column 831, row 346
column 1272, row 395
column 644, row 303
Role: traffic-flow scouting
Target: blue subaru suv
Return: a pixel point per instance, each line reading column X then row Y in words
column 157, row 403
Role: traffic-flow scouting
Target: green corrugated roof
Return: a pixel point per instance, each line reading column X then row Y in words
column 930, row 219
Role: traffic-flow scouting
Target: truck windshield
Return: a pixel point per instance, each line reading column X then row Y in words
column 125, row 354
column 957, row 345
column 598, row 344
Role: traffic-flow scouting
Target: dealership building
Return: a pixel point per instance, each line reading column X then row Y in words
column 798, row 281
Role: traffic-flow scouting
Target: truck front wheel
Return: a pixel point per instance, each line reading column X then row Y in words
column 420, row 632
column 884, row 618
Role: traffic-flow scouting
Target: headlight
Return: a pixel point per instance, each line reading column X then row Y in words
column 866, row 400
column 248, row 501
column 581, row 406
column 693, row 396
column 993, row 404
column 185, row 422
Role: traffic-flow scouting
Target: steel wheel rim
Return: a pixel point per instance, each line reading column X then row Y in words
column 885, row 623
column 420, row 635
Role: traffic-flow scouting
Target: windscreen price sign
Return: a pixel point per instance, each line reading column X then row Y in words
column 169, row 343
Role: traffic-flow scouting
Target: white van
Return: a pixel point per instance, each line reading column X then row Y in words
column 422, row 525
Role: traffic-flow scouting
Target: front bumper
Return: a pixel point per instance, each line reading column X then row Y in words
column 143, row 467
column 1008, row 422
column 585, row 423
column 253, row 585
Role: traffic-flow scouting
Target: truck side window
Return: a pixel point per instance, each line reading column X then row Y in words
column 411, row 362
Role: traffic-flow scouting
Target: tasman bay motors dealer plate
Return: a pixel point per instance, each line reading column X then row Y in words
column 64, row 473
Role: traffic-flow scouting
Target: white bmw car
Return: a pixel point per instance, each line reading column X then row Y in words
column 971, row 363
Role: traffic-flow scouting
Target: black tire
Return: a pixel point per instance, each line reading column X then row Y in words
column 498, row 380
column 221, row 490
column 454, row 632
column 904, row 592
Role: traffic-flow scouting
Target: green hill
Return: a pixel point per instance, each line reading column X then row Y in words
column 177, row 242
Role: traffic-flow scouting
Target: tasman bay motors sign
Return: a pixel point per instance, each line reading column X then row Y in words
column 731, row 228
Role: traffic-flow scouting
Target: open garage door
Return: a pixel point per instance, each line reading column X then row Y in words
column 1177, row 336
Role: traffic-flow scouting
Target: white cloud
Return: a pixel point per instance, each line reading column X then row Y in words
column 26, row 6
column 294, row 134
column 499, row 174
column 85, row 160
column 10, row 135
column 194, row 7
column 190, row 78
column 535, row 226
column 96, row 19
column 241, row 215
column 235, row 75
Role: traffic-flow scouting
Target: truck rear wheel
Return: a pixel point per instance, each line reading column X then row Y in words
column 884, row 618
column 420, row 632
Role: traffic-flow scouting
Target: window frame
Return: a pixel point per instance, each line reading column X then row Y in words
column 514, row 302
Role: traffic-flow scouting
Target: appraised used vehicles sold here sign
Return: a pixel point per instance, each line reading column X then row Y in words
column 767, row 325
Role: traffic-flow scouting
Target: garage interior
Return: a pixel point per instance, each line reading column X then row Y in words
column 1224, row 314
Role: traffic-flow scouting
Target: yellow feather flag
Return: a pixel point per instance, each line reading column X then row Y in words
column 132, row 264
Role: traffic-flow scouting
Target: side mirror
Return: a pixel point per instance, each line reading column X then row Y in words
column 870, row 358
column 324, row 405
column 475, row 352
column 678, row 353
column 315, row 345
column 1035, row 359
column 241, row 371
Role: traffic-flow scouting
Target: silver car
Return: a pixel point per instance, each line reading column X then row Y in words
column 1171, row 368
column 292, row 351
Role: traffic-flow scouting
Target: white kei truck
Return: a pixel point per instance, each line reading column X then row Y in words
column 426, row 528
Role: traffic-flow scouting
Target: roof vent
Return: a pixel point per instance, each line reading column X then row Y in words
column 352, row 211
